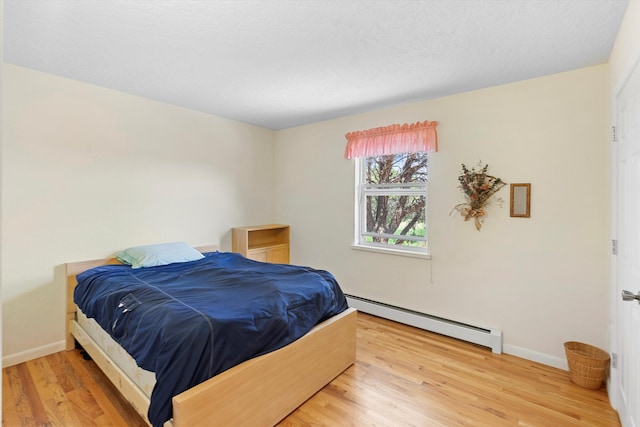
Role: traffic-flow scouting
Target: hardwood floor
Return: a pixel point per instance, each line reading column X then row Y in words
column 402, row 377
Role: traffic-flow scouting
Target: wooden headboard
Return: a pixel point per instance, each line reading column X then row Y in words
column 75, row 268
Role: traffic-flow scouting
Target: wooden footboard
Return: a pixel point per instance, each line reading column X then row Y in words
column 264, row 390
column 258, row 392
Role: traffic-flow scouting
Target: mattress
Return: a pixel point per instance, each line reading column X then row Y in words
column 144, row 379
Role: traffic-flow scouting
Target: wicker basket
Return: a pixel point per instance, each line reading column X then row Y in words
column 588, row 365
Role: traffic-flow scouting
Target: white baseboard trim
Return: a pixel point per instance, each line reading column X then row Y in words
column 545, row 359
column 487, row 338
column 34, row 353
column 474, row 334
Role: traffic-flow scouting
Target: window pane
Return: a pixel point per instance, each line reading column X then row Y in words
column 396, row 168
column 396, row 215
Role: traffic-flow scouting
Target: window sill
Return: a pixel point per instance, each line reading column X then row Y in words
column 396, row 252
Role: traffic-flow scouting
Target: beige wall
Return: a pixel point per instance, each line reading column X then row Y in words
column 87, row 171
column 543, row 280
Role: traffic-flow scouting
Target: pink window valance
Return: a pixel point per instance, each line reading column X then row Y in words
column 393, row 139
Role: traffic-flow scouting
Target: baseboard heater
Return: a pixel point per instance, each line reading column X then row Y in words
column 450, row 328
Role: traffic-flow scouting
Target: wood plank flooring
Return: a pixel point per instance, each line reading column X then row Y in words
column 403, row 376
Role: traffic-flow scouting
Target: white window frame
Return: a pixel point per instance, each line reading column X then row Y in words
column 362, row 190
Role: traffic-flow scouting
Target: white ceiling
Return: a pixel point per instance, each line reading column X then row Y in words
column 279, row 63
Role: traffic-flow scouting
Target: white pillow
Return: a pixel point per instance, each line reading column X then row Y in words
column 158, row 254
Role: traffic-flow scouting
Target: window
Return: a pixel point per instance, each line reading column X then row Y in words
column 391, row 202
column 391, row 186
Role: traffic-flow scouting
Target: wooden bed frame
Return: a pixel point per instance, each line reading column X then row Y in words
column 259, row 392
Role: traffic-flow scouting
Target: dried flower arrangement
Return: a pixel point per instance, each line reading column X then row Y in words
column 478, row 189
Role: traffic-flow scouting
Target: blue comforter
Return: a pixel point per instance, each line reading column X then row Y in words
column 190, row 321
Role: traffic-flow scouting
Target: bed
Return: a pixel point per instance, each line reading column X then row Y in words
column 259, row 391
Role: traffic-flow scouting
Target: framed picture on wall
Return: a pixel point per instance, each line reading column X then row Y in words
column 521, row 200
